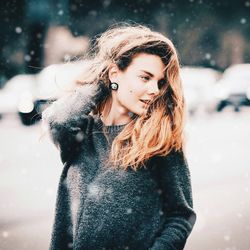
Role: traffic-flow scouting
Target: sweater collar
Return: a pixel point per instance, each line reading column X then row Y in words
column 100, row 126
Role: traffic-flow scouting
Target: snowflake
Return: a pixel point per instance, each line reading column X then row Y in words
column 208, row 56
column 226, row 237
column 106, row 3
column 60, row 12
column 5, row 234
column 243, row 20
column 247, row 4
column 18, row 30
column 79, row 136
column 70, row 245
column 95, row 191
column 27, row 58
column 129, row 210
column 93, row 13
column 159, row 191
column 212, row 62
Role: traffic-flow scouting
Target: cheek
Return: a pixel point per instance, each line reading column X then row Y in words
column 126, row 96
column 130, row 92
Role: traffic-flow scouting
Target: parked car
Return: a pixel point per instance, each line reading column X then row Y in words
column 233, row 89
column 16, row 95
column 198, row 85
column 29, row 95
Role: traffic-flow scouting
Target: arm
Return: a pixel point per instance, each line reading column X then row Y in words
column 67, row 118
column 176, row 189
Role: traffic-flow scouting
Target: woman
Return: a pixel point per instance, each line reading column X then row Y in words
column 125, row 182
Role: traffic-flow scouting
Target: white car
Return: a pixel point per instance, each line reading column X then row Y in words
column 28, row 94
column 198, row 86
column 16, row 90
column 234, row 87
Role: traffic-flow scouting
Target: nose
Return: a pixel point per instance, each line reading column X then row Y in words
column 153, row 88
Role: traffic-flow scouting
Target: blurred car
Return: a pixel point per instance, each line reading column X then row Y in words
column 29, row 95
column 16, row 95
column 198, row 86
column 233, row 89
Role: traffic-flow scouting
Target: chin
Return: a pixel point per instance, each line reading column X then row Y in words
column 140, row 111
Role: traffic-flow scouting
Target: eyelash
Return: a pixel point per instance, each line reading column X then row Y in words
column 146, row 78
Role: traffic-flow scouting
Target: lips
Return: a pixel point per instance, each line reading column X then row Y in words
column 145, row 101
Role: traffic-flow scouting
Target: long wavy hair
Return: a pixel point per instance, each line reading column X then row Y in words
column 161, row 129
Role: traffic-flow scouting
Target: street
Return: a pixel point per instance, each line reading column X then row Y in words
column 218, row 149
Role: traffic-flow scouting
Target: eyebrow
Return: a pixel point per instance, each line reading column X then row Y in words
column 151, row 74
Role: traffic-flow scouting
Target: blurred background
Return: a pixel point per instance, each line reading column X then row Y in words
column 41, row 44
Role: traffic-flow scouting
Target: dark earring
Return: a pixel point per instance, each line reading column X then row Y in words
column 113, row 85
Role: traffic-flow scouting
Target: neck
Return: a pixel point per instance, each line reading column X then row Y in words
column 114, row 113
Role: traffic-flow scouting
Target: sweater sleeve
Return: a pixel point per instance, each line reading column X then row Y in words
column 176, row 190
column 67, row 119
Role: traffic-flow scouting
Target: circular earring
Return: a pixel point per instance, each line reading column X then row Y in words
column 113, row 85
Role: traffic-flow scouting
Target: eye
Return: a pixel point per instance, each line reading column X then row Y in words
column 145, row 78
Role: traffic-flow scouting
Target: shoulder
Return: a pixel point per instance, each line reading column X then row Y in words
column 173, row 156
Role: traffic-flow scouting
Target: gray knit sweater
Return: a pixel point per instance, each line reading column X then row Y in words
column 101, row 208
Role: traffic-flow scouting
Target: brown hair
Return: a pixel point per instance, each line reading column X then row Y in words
column 138, row 142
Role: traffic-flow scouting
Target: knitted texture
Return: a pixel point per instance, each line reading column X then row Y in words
column 102, row 208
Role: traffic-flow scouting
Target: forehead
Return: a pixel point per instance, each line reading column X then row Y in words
column 148, row 62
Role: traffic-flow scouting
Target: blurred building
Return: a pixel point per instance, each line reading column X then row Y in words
column 35, row 33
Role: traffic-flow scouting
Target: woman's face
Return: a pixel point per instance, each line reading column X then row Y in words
column 141, row 80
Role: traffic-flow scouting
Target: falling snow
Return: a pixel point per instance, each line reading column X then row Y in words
column 159, row 191
column 70, row 245
column 95, row 191
column 247, row 4
column 27, row 58
column 60, row 12
column 227, row 237
column 208, row 56
column 129, row 210
column 80, row 136
column 18, row 30
column 106, row 3
column 5, row 234
column 243, row 20
column 215, row 162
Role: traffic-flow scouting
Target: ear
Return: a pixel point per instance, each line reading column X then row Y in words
column 113, row 73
